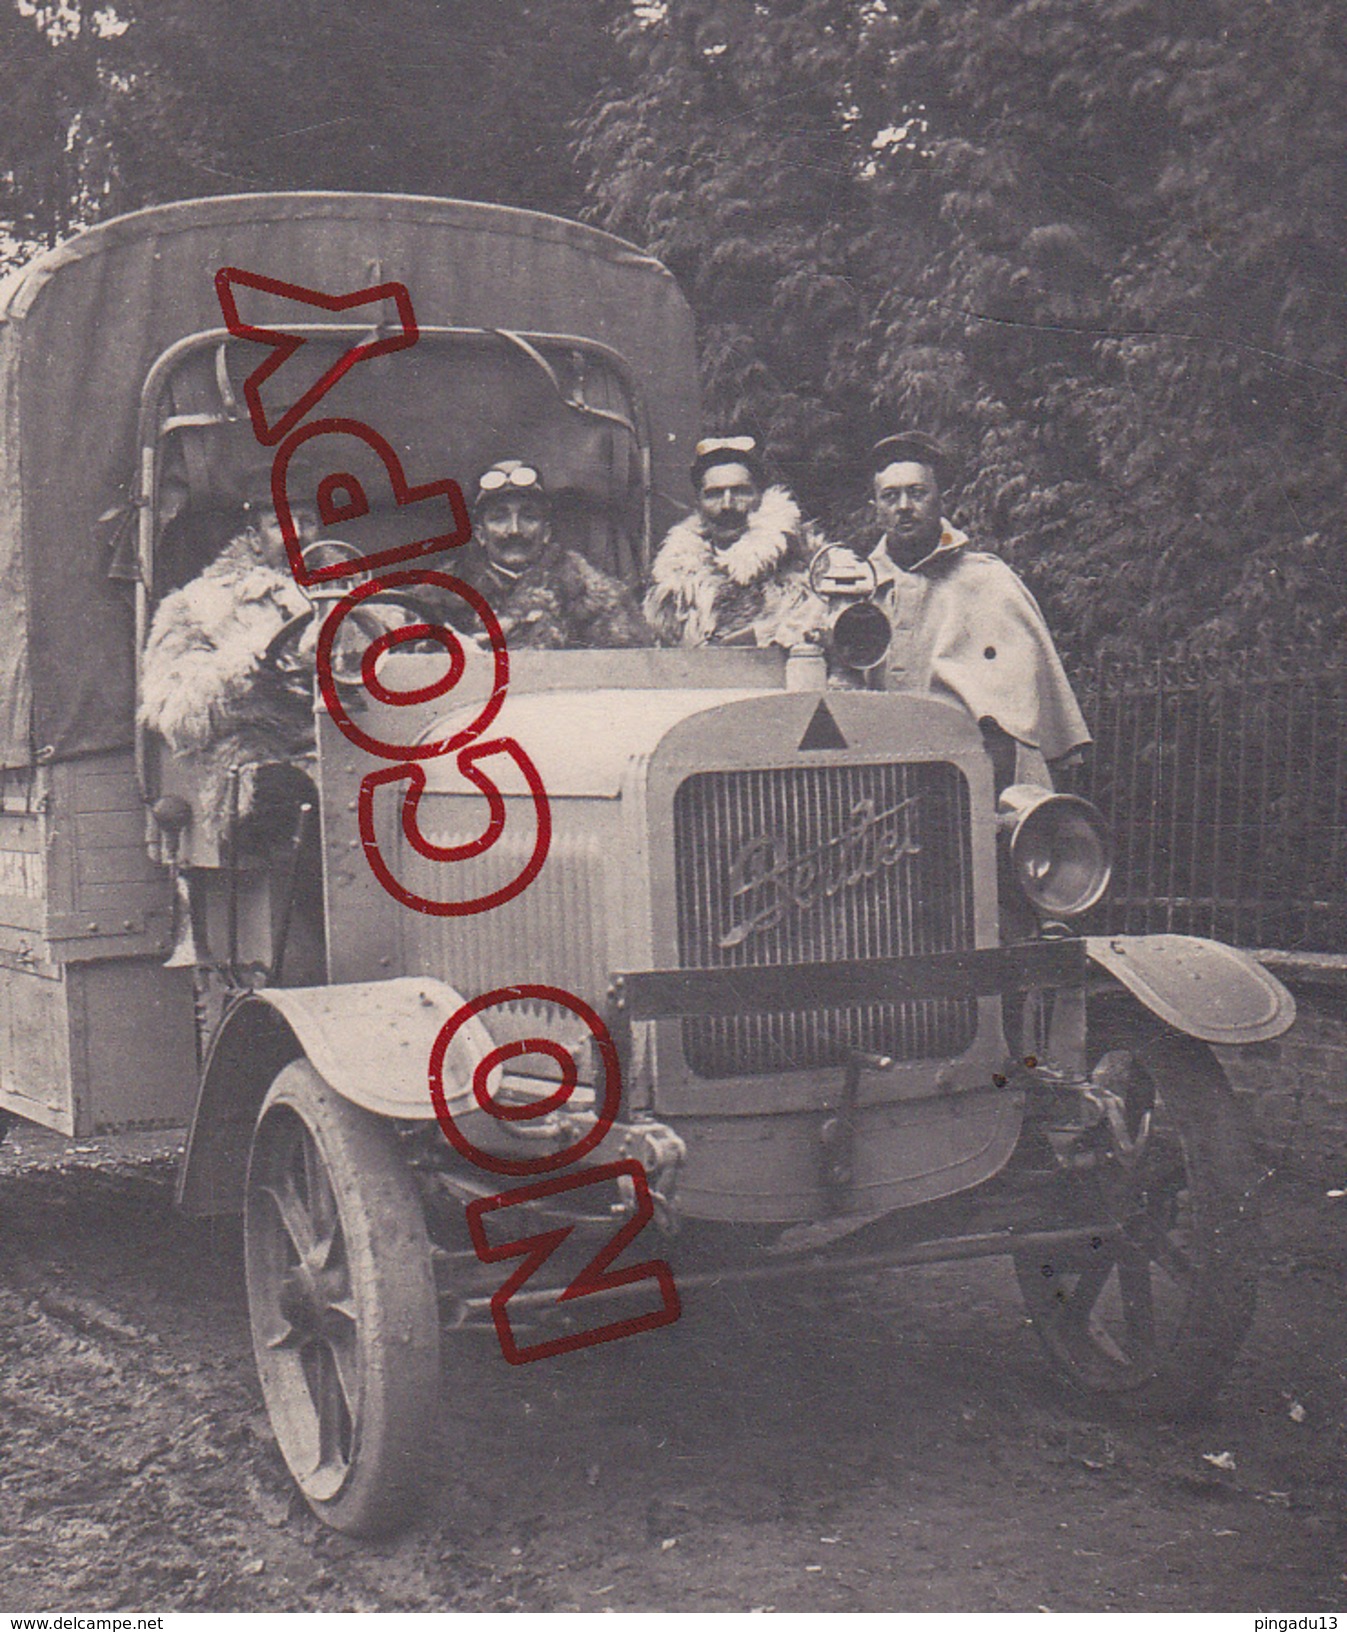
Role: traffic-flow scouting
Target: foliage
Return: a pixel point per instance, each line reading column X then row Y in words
column 103, row 110
column 1098, row 248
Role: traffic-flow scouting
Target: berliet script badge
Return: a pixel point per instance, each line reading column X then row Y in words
column 765, row 887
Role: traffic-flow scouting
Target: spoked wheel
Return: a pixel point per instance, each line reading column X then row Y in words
column 1149, row 1314
column 342, row 1302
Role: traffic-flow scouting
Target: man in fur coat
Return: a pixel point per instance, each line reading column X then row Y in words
column 205, row 686
column 546, row 597
column 736, row 570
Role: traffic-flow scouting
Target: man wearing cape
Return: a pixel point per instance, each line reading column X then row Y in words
column 963, row 624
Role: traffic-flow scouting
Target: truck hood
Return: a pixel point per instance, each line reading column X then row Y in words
column 583, row 743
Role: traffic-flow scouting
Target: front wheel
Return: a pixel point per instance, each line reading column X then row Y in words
column 342, row 1303
column 1149, row 1314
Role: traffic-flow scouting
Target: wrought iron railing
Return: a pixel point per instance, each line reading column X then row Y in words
column 1225, row 786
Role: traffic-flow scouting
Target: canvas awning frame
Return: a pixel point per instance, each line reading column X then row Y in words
column 82, row 325
column 152, row 432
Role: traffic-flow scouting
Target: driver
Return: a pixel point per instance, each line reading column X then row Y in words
column 545, row 596
column 205, row 686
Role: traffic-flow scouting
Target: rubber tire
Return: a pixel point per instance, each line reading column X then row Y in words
column 1198, row 1124
column 376, row 1263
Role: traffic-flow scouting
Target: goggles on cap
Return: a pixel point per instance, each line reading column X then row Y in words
column 725, row 444
column 522, row 476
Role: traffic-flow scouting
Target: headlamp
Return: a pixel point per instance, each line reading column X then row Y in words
column 861, row 635
column 1059, row 849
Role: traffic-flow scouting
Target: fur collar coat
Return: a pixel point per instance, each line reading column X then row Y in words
column 756, row 589
column 203, row 688
column 200, row 672
column 561, row 602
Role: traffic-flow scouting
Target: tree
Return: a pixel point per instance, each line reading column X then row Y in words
column 47, row 74
column 1100, row 249
column 103, row 110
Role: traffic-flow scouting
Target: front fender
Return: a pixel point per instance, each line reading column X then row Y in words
column 1209, row 991
column 370, row 1041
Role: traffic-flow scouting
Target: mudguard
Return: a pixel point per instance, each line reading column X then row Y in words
column 371, row 1041
column 1209, row 991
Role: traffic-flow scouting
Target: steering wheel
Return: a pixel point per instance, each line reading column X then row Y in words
column 282, row 653
column 377, row 615
column 365, row 623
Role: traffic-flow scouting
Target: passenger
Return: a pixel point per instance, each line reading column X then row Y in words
column 735, row 571
column 544, row 595
column 206, row 686
column 963, row 625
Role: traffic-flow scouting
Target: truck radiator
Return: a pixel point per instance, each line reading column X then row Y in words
column 823, row 863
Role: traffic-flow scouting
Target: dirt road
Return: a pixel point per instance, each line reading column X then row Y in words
column 901, row 1450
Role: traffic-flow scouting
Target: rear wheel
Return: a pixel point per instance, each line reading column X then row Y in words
column 1149, row 1315
column 342, row 1303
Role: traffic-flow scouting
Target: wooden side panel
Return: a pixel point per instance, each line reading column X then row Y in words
column 91, row 1038
column 104, row 894
column 132, row 1045
column 23, row 871
column 35, row 1079
column 94, row 1047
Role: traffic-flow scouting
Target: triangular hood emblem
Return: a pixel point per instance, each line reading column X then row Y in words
column 822, row 732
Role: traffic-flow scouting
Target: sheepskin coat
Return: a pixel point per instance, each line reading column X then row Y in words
column 703, row 595
column 561, row 602
column 203, row 690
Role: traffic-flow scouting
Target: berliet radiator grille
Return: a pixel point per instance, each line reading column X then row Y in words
column 821, row 863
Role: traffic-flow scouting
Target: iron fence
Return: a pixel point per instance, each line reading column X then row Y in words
column 1225, row 786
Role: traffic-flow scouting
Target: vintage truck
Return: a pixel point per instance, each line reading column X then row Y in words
column 855, row 1030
